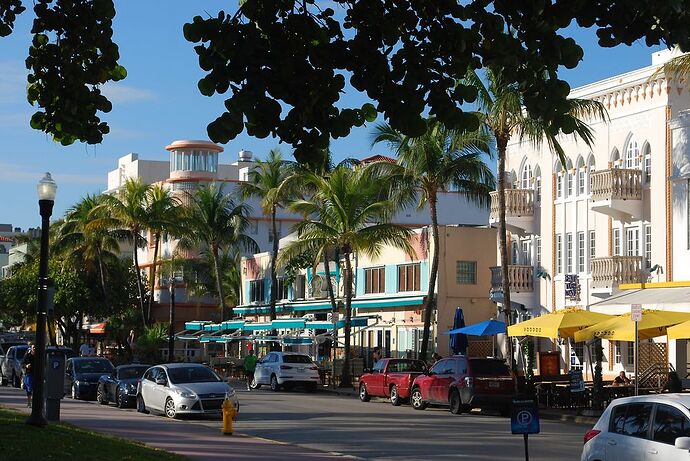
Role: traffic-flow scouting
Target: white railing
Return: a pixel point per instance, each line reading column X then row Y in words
column 519, row 202
column 613, row 270
column 521, row 278
column 617, row 184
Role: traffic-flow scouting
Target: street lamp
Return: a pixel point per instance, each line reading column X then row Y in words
column 46, row 198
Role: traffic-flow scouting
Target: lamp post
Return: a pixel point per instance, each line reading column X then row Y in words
column 171, row 326
column 46, row 198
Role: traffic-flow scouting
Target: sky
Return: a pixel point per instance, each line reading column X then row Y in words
column 159, row 102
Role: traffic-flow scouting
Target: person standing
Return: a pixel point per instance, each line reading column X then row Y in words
column 28, row 367
column 249, row 368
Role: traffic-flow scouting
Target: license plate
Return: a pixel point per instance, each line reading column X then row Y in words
column 494, row 384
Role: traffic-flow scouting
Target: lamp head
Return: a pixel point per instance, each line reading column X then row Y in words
column 47, row 188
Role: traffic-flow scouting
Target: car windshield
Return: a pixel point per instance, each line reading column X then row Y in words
column 406, row 366
column 185, row 375
column 488, row 367
column 296, row 359
column 20, row 352
column 131, row 372
column 93, row 366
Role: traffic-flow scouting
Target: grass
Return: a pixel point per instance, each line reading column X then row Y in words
column 62, row 441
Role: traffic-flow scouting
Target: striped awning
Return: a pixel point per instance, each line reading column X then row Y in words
column 385, row 302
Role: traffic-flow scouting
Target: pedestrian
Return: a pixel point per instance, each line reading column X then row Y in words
column 249, row 368
column 621, row 379
column 28, row 367
column 376, row 355
column 84, row 349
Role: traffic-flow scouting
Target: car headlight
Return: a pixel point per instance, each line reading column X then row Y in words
column 185, row 394
column 230, row 394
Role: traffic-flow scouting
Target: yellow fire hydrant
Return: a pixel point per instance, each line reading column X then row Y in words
column 229, row 414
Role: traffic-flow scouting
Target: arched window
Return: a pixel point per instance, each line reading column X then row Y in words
column 570, row 178
column 615, row 158
column 647, row 163
column 537, row 184
column 581, row 176
column 559, row 180
column 632, row 155
column 526, row 177
column 591, row 168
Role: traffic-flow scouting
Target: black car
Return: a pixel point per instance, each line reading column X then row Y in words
column 82, row 375
column 120, row 387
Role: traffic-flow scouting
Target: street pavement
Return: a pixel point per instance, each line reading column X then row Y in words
column 296, row 425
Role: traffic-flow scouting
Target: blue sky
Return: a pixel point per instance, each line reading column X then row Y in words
column 159, row 102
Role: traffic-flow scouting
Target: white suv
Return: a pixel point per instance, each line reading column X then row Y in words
column 282, row 368
column 644, row 428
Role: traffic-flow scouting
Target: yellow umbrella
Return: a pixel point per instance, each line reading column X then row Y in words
column 622, row 327
column 680, row 331
column 563, row 323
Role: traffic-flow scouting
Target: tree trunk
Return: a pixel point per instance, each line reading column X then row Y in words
column 274, row 278
column 329, row 285
column 101, row 274
column 433, row 273
column 135, row 235
column 219, row 284
column 346, row 380
column 152, row 282
column 501, row 143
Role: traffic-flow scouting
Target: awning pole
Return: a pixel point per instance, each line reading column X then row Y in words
column 637, row 353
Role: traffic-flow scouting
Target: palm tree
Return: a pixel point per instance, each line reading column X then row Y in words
column 441, row 159
column 267, row 181
column 216, row 222
column 82, row 245
column 502, row 112
column 164, row 215
column 347, row 213
column 127, row 210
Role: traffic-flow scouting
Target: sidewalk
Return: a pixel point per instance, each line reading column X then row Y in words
column 196, row 441
column 567, row 415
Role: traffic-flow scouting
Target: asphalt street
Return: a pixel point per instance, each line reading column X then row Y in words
column 296, row 425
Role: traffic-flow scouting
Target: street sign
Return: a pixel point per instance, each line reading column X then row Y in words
column 577, row 384
column 636, row 312
column 525, row 417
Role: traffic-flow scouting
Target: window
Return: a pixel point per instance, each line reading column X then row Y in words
column 270, row 231
column 537, row 189
column 514, row 249
column 283, row 288
column 559, row 253
column 526, row 179
column 617, row 353
column 571, row 183
column 256, row 291
column 577, row 356
column 466, row 272
column 648, row 168
column 648, row 246
column 581, row 176
column 538, row 252
column 581, row 252
column 630, row 356
column 559, row 185
column 442, row 367
column 592, row 248
column 632, row 155
column 590, row 172
column 617, row 242
column 375, row 280
column 408, row 277
column 631, row 420
column 526, row 250
column 669, row 424
column 569, row 253
column 633, row 241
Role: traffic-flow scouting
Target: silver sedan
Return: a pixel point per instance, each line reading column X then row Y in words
column 183, row 388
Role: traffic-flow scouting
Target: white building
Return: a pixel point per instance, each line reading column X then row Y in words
column 613, row 215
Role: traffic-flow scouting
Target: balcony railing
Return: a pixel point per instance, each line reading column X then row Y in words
column 521, row 278
column 617, row 184
column 611, row 271
column 519, row 203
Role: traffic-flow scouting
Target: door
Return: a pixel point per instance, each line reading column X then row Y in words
column 633, row 241
column 68, row 377
column 149, row 389
column 442, row 375
column 627, row 437
column 375, row 380
column 669, row 424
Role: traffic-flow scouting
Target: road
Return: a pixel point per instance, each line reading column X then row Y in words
column 324, row 426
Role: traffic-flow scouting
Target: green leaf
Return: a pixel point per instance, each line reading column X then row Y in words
column 369, row 112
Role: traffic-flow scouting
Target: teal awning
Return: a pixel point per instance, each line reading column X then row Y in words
column 315, row 306
column 257, row 310
column 325, row 325
column 257, row 326
column 297, row 340
column 232, row 324
column 387, row 303
column 195, row 325
column 288, row 323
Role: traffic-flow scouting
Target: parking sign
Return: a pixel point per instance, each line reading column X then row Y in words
column 636, row 312
column 525, row 417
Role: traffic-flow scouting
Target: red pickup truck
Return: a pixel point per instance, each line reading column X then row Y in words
column 390, row 378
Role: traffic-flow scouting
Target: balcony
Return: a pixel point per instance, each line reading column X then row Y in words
column 608, row 273
column 521, row 278
column 618, row 193
column 519, row 210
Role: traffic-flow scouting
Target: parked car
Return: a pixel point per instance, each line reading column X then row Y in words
column 464, row 383
column 278, row 369
column 82, row 375
column 11, row 367
column 120, row 387
column 645, row 427
column 390, row 378
column 183, row 388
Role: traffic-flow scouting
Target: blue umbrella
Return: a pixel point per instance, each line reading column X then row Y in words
column 485, row 328
column 458, row 341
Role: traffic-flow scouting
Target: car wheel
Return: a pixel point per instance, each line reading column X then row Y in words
column 75, row 392
column 118, row 398
column 255, row 384
column 274, row 383
column 141, row 405
column 3, row 381
column 416, row 399
column 100, row 396
column 363, row 394
column 170, row 411
column 455, row 403
column 395, row 396
column 15, row 380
